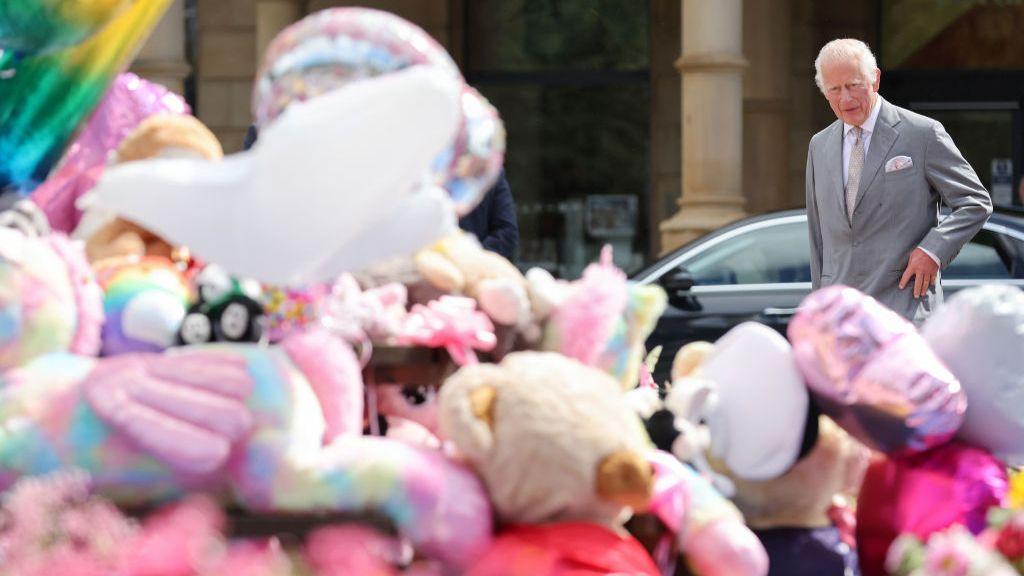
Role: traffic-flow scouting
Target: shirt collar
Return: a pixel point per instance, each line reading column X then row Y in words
column 869, row 125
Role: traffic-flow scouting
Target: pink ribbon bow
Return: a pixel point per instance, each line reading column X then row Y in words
column 452, row 322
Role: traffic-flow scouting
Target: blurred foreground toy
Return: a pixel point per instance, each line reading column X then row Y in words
column 883, row 383
column 563, row 461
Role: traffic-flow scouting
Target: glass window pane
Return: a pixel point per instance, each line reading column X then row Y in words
column 536, row 35
column 979, row 259
column 777, row 254
column 567, row 144
column 985, row 138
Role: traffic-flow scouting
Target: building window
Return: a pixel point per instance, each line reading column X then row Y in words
column 961, row 62
column 571, row 80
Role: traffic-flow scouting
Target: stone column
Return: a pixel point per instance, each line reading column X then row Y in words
column 666, row 117
column 162, row 57
column 272, row 16
column 766, row 105
column 712, row 66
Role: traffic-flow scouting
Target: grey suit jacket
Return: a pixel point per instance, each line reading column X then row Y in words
column 895, row 212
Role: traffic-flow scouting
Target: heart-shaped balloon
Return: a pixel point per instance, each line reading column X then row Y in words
column 45, row 97
column 331, row 48
column 979, row 334
column 953, row 484
column 335, row 47
column 471, row 165
column 871, row 371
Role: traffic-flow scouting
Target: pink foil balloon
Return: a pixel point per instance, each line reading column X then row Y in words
column 923, row 494
column 129, row 101
column 871, row 371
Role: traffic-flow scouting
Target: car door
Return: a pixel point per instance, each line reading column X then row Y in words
column 759, row 272
column 994, row 255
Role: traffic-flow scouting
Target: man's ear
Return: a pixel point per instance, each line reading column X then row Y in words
column 878, row 80
column 468, row 403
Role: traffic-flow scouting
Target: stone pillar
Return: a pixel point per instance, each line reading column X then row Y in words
column 712, row 66
column 272, row 16
column 766, row 105
column 162, row 57
column 226, row 66
column 666, row 117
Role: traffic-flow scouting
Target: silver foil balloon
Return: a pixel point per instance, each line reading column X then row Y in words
column 871, row 371
column 330, row 49
column 979, row 334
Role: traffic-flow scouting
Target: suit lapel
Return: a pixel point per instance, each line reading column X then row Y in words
column 834, row 145
column 882, row 139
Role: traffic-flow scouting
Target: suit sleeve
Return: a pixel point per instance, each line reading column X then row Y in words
column 956, row 182
column 813, row 224
column 502, row 227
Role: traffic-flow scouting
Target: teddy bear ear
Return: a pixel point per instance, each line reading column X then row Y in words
column 467, row 403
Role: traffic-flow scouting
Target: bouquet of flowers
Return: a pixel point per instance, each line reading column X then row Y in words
column 55, row 525
column 997, row 551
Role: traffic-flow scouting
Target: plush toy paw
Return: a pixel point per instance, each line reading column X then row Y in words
column 504, row 301
column 440, row 272
column 186, row 409
column 546, row 293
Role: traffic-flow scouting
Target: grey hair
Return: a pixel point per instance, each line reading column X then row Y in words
column 844, row 50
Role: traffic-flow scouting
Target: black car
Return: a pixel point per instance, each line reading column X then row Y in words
column 759, row 269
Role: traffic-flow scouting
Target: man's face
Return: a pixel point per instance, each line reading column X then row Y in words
column 848, row 92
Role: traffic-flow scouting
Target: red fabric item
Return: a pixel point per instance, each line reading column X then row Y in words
column 564, row 549
column 923, row 494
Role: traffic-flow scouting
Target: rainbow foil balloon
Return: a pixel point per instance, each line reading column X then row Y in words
column 46, row 89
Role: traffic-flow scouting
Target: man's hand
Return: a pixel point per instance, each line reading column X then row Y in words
column 922, row 269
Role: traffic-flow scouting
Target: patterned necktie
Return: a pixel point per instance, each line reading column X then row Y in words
column 856, row 165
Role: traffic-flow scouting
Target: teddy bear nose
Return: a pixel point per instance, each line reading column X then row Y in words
column 625, row 478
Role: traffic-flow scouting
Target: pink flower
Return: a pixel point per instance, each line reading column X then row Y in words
column 254, row 558
column 178, row 541
column 452, row 322
column 948, row 554
column 53, row 525
column 351, row 549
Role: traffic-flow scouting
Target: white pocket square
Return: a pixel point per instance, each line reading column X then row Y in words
column 898, row 163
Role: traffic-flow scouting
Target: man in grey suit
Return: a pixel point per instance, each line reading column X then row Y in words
column 875, row 178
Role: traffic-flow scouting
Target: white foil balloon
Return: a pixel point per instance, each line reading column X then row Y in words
column 328, row 173
column 979, row 334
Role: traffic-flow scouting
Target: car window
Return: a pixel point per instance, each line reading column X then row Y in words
column 774, row 254
column 983, row 257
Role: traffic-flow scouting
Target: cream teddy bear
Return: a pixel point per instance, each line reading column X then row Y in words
column 563, row 458
column 458, row 264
